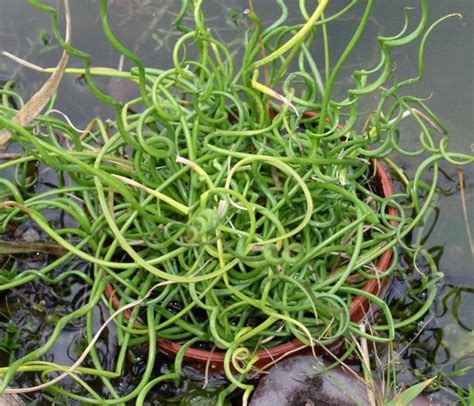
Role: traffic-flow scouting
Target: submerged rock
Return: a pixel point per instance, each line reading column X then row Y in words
column 297, row 381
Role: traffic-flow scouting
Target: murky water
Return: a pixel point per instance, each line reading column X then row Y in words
column 146, row 28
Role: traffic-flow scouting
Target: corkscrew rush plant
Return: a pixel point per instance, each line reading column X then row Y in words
column 235, row 204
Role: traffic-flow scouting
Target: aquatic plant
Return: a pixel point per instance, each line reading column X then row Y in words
column 234, row 204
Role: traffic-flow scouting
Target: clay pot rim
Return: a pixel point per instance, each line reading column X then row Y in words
column 358, row 310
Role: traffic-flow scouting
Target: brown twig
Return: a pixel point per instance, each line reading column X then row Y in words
column 464, row 209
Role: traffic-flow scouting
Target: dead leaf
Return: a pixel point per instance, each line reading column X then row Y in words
column 41, row 98
column 22, row 247
column 11, row 400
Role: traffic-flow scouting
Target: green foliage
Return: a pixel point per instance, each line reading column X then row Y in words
column 238, row 202
column 408, row 395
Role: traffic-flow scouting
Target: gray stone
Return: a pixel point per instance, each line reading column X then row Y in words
column 297, row 382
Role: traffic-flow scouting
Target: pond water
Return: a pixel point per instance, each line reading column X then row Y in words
column 445, row 343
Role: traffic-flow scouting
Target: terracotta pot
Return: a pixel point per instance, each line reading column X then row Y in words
column 201, row 359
